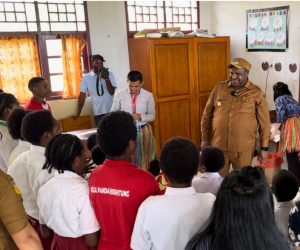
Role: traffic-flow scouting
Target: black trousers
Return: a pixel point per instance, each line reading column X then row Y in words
column 98, row 118
column 293, row 163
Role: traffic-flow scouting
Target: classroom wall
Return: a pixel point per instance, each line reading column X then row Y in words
column 229, row 18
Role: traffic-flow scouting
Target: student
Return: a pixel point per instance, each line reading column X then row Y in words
column 242, row 216
column 38, row 128
column 14, row 123
column 285, row 188
column 211, row 161
column 7, row 104
column 97, row 154
column 74, row 224
column 40, row 89
column 169, row 221
column 140, row 104
column 15, row 231
column 117, row 187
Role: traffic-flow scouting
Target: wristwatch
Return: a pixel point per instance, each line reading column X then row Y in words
column 264, row 148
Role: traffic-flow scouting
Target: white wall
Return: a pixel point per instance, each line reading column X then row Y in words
column 229, row 18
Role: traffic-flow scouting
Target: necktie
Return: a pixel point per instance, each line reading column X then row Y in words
column 97, row 86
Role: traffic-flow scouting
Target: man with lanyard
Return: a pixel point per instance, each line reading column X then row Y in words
column 100, row 84
column 235, row 111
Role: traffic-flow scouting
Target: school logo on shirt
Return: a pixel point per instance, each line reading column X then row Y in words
column 110, row 191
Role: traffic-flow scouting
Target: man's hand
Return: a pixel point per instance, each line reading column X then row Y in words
column 262, row 156
column 136, row 116
column 204, row 144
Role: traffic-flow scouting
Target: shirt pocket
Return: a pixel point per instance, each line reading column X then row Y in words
column 246, row 105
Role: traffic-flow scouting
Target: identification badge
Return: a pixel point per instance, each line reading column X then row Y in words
column 219, row 104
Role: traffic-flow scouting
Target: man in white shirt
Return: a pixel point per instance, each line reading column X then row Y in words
column 140, row 104
column 170, row 221
column 211, row 161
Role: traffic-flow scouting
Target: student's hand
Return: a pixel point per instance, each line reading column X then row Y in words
column 136, row 116
column 263, row 156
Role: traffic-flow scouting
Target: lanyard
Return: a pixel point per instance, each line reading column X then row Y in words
column 133, row 103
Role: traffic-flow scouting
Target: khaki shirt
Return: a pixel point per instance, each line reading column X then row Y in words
column 12, row 214
column 232, row 122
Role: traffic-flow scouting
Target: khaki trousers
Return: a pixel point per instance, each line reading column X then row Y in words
column 237, row 160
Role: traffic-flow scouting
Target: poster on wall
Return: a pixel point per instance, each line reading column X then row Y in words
column 267, row 29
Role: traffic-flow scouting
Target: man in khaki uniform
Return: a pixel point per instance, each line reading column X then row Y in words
column 15, row 230
column 235, row 111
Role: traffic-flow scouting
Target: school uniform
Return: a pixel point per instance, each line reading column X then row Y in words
column 32, row 104
column 282, row 211
column 117, row 188
column 7, row 144
column 208, row 182
column 28, row 174
column 22, row 147
column 65, row 207
column 171, row 220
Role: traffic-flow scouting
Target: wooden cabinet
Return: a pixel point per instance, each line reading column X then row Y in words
column 180, row 72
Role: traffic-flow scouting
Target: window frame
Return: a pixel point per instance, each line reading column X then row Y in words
column 42, row 36
column 131, row 33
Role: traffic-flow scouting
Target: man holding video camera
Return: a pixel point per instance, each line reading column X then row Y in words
column 100, row 84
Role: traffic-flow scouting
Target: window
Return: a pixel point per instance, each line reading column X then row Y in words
column 48, row 20
column 162, row 14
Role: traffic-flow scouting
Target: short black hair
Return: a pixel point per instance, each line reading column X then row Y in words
column 285, row 185
column 98, row 156
column 212, row 158
column 35, row 124
column 179, row 160
column 61, row 152
column 280, row 89
column 7, row 100
column 91, row 141
column 97, row 57
column 34, row 81
column 115, row 131
column 135, row 76
column 154, row 168
column 14, row 122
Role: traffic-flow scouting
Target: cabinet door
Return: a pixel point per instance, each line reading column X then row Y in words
column 173, row 86
column 212, row 56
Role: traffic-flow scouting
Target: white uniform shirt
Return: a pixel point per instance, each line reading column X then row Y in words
column 207, row 182
column 7, row 144
column 171, row 220
column 28, row 175
column 22, row 147
column 100, row 104
column 144, row 104
column 282, row 211
column 65, row 205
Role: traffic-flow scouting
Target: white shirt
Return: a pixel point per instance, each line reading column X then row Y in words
column 282, row 211
column 144, row 104
column 28, row 175
column 7, row 144
column 22, row 147
column 207, row 182
column 65, row 206
column 100, row 104
column 171, row 220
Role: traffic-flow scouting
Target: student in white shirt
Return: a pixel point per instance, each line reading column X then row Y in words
column 285, row 187
column 38, row 128
column 140, row 104
column 7, row 104
column 169, row 221
column 14, row 123
column 211, row 161
column 64, row 200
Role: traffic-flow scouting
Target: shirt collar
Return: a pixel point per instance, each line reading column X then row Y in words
column 180, row 191
column 285, row 204
column 210, row 174
column 68, row 175
column 117, row 163
column 38, row 148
